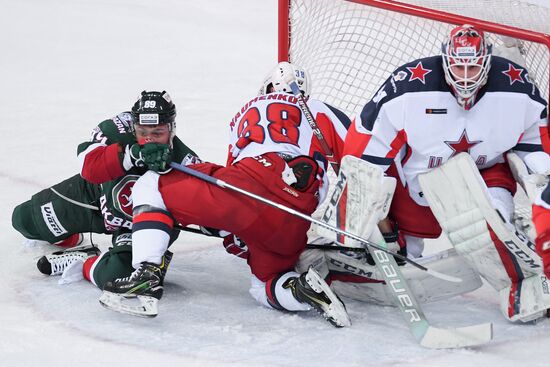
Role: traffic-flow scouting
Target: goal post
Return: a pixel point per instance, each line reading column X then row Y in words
column 350, row 47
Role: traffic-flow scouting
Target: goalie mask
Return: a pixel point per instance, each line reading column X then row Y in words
column 276, row 80
column 466, row 62
column 153, row 109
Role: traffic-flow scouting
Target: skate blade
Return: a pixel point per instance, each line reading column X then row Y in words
column 142, row 306
column 336, row 312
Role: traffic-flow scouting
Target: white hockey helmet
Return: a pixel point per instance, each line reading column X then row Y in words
column 276, row 81
column 466, row 62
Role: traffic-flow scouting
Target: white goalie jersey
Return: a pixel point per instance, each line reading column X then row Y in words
column 415, row 119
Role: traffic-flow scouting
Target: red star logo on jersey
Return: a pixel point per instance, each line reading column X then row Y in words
column 462, row 145
column 514, row 74
column 418, row 72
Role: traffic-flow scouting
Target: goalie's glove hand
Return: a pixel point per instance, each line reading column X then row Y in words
column 154, row 156
column 543, row 249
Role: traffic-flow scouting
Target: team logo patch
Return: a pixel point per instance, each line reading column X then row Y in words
column 436, row 111
column 419, row 73
column 48, row 213
column 514, row 74
column 463, row 144
column 401, row 75
column 467, row 51
column 122, row 195
column 149, row 119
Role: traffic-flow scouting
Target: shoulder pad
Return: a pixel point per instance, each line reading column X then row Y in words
column 418, row 76
column 117, row 129
column 507, row 76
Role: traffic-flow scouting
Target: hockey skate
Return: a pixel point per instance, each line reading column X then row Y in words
column 57, row 262
column 145, row 284
column 310, row 288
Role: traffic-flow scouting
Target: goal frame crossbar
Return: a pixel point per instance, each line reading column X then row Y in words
column 284, row 27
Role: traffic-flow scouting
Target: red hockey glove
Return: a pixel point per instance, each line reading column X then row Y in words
column 235, row 246
column 543, row 249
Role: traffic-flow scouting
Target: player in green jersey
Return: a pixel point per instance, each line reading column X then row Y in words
column 98, row 199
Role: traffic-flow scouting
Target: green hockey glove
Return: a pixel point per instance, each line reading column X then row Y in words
column 132, row 157
column 157, row 157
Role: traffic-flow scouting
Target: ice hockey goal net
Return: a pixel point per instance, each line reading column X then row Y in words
column 351, row 47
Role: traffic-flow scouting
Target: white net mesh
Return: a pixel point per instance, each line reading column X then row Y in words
column 350, row 49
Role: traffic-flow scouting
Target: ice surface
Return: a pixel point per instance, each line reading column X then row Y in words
column 68, row 64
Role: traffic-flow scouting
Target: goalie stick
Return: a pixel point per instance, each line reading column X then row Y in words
column 363, row 178
column 225, row 185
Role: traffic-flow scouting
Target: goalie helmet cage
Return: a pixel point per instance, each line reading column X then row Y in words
column 350, row 47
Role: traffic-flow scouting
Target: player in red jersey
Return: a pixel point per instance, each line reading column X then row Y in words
column 273, row 153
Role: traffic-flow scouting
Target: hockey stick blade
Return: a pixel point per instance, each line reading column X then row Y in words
column 427, row 335
column 468, row 336
column 148, row 306
column 434, row 273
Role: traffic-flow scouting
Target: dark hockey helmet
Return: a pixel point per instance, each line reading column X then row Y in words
column 155, row 108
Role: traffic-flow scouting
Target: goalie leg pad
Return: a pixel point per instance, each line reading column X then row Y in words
column 526, row 300
column 460, row 201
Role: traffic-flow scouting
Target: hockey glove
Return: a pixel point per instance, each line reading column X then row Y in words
column 235, row 246
column 157, row 157
column 132, row 157
column 543, row 249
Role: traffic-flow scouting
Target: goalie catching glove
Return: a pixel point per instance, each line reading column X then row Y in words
column 154, row 156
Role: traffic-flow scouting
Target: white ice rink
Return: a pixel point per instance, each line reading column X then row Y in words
column 65, row 66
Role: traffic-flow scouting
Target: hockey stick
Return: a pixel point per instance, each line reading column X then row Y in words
column 363, row 183
column 327, row 247
column 427, row 335
column 225, row 185
column 311, row 121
